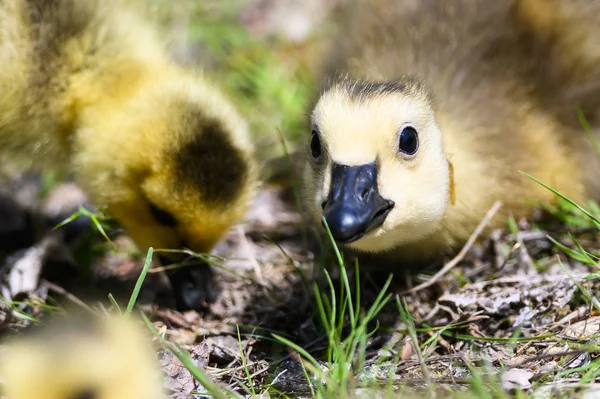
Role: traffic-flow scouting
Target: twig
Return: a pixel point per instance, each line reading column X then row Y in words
column 277, row 377
column 433, row 359
column 472, row 238
column 543, row 356
column 525, row 257
column 576, row 314
column 246, row 245
column 513, row 249
column 422, row 381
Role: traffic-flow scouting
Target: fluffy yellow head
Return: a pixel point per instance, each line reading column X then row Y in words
column 173, row 163
column 376, row 147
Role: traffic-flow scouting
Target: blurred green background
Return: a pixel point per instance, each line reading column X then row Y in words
column 262, row 53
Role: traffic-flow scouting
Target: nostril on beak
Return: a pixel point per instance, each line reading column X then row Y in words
column 354, row 206
column 364, row 196
column 324, row 204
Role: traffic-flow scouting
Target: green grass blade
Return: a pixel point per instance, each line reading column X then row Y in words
column 588, row 129
column 96, row 222
column 139, row 282
column 338, row 254
column 313, row 366
column 578, row 256
column 112, row 300
column 244, row 364
column 594, row 219
column 67, row 220
column 187, row 361
column 594, row 301
column 410, row 325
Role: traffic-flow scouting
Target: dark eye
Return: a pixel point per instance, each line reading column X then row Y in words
column 315, row 145
column 409, row 141
column 162, row 217
column 85, row 394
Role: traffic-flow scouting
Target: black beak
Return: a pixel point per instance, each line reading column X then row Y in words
column 193, row 284
column 354, row 206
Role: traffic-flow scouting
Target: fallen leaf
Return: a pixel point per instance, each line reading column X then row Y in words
column 583, row 329
column 178, row 381
column 516, row 379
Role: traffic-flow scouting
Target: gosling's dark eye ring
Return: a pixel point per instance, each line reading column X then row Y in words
column 162, row 217
column 408, row 142
column 86, row 394
column 315, row 144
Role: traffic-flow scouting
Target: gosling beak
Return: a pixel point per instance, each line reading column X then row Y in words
column 193, row 284
column 354, row 206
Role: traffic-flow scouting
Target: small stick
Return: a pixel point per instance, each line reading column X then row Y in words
column 525, row 255
column 472, row 238
column 543, row 356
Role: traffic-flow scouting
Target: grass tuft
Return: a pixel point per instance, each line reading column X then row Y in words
column 139, row 282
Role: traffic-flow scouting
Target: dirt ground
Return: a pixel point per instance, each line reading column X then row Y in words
column 513, row 311
column 512, row 303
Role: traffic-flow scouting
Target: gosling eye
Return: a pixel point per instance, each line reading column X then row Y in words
column 85, row 394
column 409, row 141
column 162, row 217
column 315, row 144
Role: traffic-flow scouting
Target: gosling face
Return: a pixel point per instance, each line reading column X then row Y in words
column 175, row 169
column 196, row 190
column 377, row 171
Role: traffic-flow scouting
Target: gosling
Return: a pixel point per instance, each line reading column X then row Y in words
column 436, row 108
column 82, row 357
column 88, row 85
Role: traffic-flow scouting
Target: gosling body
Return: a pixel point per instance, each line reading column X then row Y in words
column 82, row 357
column 89, row 86
column 447, row 101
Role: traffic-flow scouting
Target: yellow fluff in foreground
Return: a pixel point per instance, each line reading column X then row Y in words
column 90, row 358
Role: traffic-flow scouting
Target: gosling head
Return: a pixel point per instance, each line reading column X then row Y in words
column 82, row 357
column 377, row 171
column 174, row 167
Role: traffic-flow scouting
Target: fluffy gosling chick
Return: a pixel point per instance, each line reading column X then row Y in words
column 87, row 84
column 432, row 126
column 98, row 358
column 567, row 34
